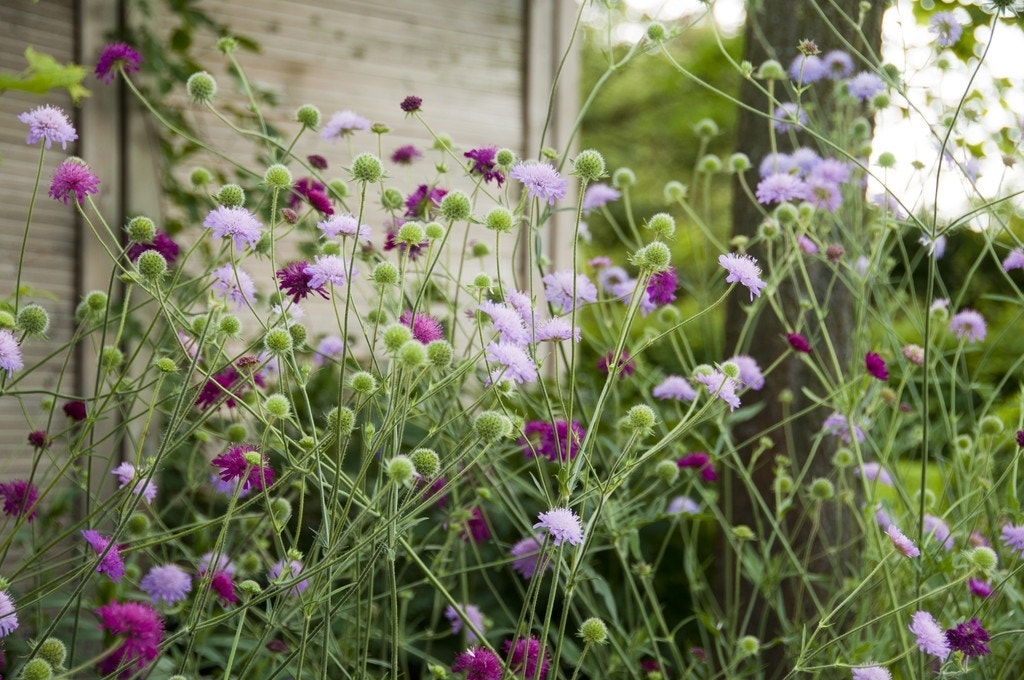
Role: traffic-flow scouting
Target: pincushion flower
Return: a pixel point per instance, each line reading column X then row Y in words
column 839, row 425
column 126, row 474
column 969, row 638
column 327, row 269
column 807, row 69
column 527, row 659
column 939, row 530
column 720, row 385
column 779, row 187
column 562, row 524
column 565, row 292
column 405, row 155
column 838, row 63
column 425, row 328
column 234, row 284
column 661, row 289
column 294, row 282
column 475, row 529
column 469, row 612
column 1014, row 260
column 874, row 472
column 111, row 564
column 541, row 180
column 599, row 195
column 20, row 499
column 901, row 542
column 287, row 570
column 513, row 362
column 234, row 464
column 8, row 614
column 1013, row 537
column 114, row 56
column 750, row 373
column 624, row 367
column 968, row 325
column 789, row 116
column 479, row 663
column 48, row 123
column 675, row 387
column 140, row 630
column 161, row 243
column 864, row 86
column 930, row 637
column 509, row 323
column 344, row 123
column 875, row 366
column 331, row 347
column 484, row 164
column 798, row 343
column 556, row 329
column 346, row 225
column 236, row 223
column 979, row 587
column 527, row 554
column 558, row 443
column 946, row 28
column 682, row 505
column 871, row 673
column 743, row 269
column 73, row 178
column 167, row 582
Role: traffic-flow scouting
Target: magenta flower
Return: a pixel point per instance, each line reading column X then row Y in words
column 871, row 673
column 566, row 292
column 234, row 464
column 116, row 56
column 48, row 123
column 1013, row 537
column 38, row 439
column 411, row 104
column 287, row 570
column 344, row 123
column 167, row 582
column 424, row 202
column 73, row 178
column 968, row 325
column 702, row 462
column 1020, row 438
column 161, row 243
column 969, row 638
column 661, row 289
column 405, row 155
column 527, row 554
column 111, row 563
column 562, row 524
column 930, row 638
column 8, row 614
column 798, row 343
column 140, row 630
column 541, row 180
column 425, row 328
column 525, row 656
column 743, row 269
column 558, row 443
column 317, row 161
column 475, row 529
column 227, row 383
column 222, row 584
column 479, row 663
column 675, row 387
column 294, row 282
column 876, row 366
column 10, row 352
column 901, row 542
column 234, row 284
column 20, row 499
column 237, row 223
column 484, row 166
column 313, row 192
column 469, row 612
column 979, row 588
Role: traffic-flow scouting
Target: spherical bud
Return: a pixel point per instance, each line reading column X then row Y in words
column 278, row 176
column 990, row 425
column 786, row 214
column 456, row 206
column 385, row 273
column 861, row 128
column 623, row 178
column 440, row 353
column 227, row 45
column 140, row 229
column 363, row 382
column 200, row 177
column 230, row 325
column 984, row 558
column 731, row 369
column 138, row 524
column 53, row 652
column 230, row 196
column 843, row 458
column 280, row 511
column 654, row 257
column 151, row 265
column 479, row 249
column 396, row 335
column 667, row 471
column 36, row 669
column 277, row 406
column 308, row 116
column 341, row 420
column 483, row 281
column 505, row 158
column 412, row 353
column 675, row 192
column 748, row 645
column 298, row 333
column 886, row 160
column 491, row 426
column 367, row 168
column 706, row 128
column 655, row 33
column 33, row 319
column 201, row 87
column 111, row 357
column 742, row 532
column 7, row 320
column 783, row 484
column 771, row 70
column 411, row 234
column 278, row 341
column 640, row 418
column 805, row 212
column 593, row 631
column 434, row 231
column 426, row 462
column 401, row 470
column 589, row 165
column 739, row 162
column 822, row 489
column 499, row 219
column 237, row 433
column 663, row 225
column 392, row 199
column 880, row 101
column 964, row 442
column 166, row 365
column 249, row 588
column 769, row 229
column 338, row 188
column 709, row 164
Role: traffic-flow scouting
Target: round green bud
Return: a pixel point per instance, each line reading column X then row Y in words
column 771, row 70
column 742, row 532
column 277, row 406
column 786, row 213
column 654, row 257
column 663, row 225
column 589, row 165
column 230, row 325
column 710, row 164
column 230, row 196
column 843, row 458
column 53, row 651
column 367, row 168
column 278, row 176
column 412, row 354
column 706, row 128
column 861, row 128
column 984, row 558
column 593, row 631
column 880, row 101
column 675, row 192
column 990, row 425
column 138, row 524
column 166, row 365
column 411, row 234
column 338, row 188
column 769, row 229
column 479, row 249
column 392, row 199
column 491, row 426
column 362, row 382
column 623, row 177
column 667, row 471
column 731, row 369
column 886, row 160
column 249, row 588
column 783, row 484
column 964, row 442
column 253, row 458
column 140, row 229
column 396, row 335
column 440, row 353
column 280, row 509
column 668, row 315
column 200, row 177
column 96, row 301
column 308, row 115
column 748, row 645
column 739, row 162
column 201, row 87
column 401, row 470
column 385, row 274
column 426, row 462
column 278, row 341
column 483, row 281
column 805, row 212
column 7, row 320
column 330, row 248
column 505, row 158
column 306, row 443
column 655, row 33
column 437, row 671
column 499, row 219
column 36, row 669
column 237, row 432
column 434, row 231
column 442, row 142
column 33, row 319
column 111, row 357
column 341, row 420
column 456, row 206
column 227, row 44
column 822, row 489
column 151, row 265
column 640, row 418
column 298, row 333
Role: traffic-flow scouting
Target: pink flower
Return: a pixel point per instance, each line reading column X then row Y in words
column 425, row 328
column 479, row 663
column 111, row 563
column 73, row 178
column 140, row 630
column 876, row 366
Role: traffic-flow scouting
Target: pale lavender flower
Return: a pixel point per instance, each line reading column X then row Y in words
column 167, row 582
column 822, row 193
column 864, row 85
column 327, row 269
column 946, row 28
column 807, row 245
column 776, row 163
column 881, row 516
column 126, row 475
column 874, row 472
column 1015, row 260
column 346, row 225
column 522, row 303
column 286, row 570
column 598, row 195
column 48, row 123
column 221, row 564
column 8, row 614
column 832, row 170
column 562, row 290
column 839, row 64
column 720, row 385
column 901, row 542
column 789, row 116
column 871, row 673
column 469, row 612
column 234, row 284
column 10, row 352
column 675, row 387
column 750, row 373
column 807, row 69
column 805, row 160
column 513, row 361
column 330, row 347
column 229, row 487
column 1013, row 537
column 237, row 223
column 112, row 565
column 837, row 424
column 779, row 187
column 508, row 322
column 936, row 247
column 527, row 554
column 682, row 505
column 939, row 530
column 562, row 524
column 930, row 637
column 743, row 269
column 344, row 123
column 968, row 325
column 556, row 329
column 541, row 180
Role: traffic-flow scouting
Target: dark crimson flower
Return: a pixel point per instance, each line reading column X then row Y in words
column 525, row 656
column 161, row 243
column 75, row 410
column 483, row 164
column 313, row 192
column 969, row 637
column 295, row 282
column 113, row 56
column 475, row 529
column 139, row 628
column 38, row 439
column 234, row 464
column 425, row 328
column 321, row 202
column 20, row 499
column 661, row 290
column 625, row 366
column 798, row 343
column 405, row 155
column 553, row 442
column 701, row 461
column 411, row 103
column 317, row 161
column 876, row 366
column 423, row 203
column 834, row 252
column 1020, row 438
column 277, row 646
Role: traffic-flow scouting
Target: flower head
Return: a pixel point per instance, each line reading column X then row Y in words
column 624, row 367
column 901, row 542
column 839, row 64
column 789, row 116
column 839, row 425
column 968, row 325
column 294, row 282
column 344, row 123
column 425, row 328
column 807, row 69
column 779, row 187
column 114, row 56
column 346, row 225
column 682, row 505
column 558, row 443
column 475, row 529
column 979, row 588
column 237, row 223
column 563, row 290
column 126, row 474
column 161, row 243
column 936, row 528
column 140, row 630
column 484, row 164
column 222, row 584
column 798, row 343
column 75, row 410
column 871, row 673
column 750, row 373
column 288, row 570
column 874, row 472
column 743, row 269
column 167, row 582
column 946, row 28
column 479, row 663
column 20, row 499
column 876, row 366
column 562, row 524
column 598, row 195
column 513, row 362
column 233, row 283
column 527, row 554
column 675, row 387
column 541, row 180
column 10, row 352
column 411, row 103
column 405, row 155
column 525, row 656
column 702, row 462
column 48, row 123
column 1014, row 260
column 968, row 638
column 864, row 85
column 234, row 464
column 720, row 385
column 73, row 178
column 469, row 612
column 930, row 638
column 8, row 614
column 111, row 563
column 661, row 289
column 327, row 269
column 1013, row 537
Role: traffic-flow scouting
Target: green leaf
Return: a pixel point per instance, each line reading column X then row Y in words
column 44, row 73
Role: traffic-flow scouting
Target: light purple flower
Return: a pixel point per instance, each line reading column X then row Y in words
column 743, row 269
column 513, row 361
column 527, row 553
column 598, row 195
column 682, row 505
column 1013, row 537
column 233, row 283
column 871, row 673
column 936, row 528
column 330, row 347
column 936, row 247
column 346, row 225
column 822, row 193
column 901, row 542
column 779, row 187
column 864, row 85
column 675, row 387
column 465, row 611
column 789, row 116
column 167, row 582
column 562, row 524
column 221, row 564
column 807, row 69
column 48, row 123
column 750, row 373
column 541, row 180
column 1015, row 260
column 507, row 321
column 229, row 487
column 327, row 269
column 286, row 570
column 839, row 64
column 874, row 472
column 946, row 28
column 344, row 123
column 563, row 291
column 8, row 614
column 930, row 637
column 126, row 475
column 968, row 325
column 556, row 329
column 837, row 424
column 807, row 245
column 776, row 163
column 10, row 352
column 805, row 160
column 112, row 565
column 236, row 222
column 720, row 385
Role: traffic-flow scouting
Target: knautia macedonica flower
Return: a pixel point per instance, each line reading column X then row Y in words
column 674, row 387
column 139, row 628
column 8, row 614
column 479, row 663
column 405, row 155
column 287, row 570
column 469, row 612
column 969, row 638
column 798, row 343
column 743, row 269
column 661, row 289
column 344, row 123
column 116, row 55
column 234, row 284
column 701, row 461
column 527, row 554
column 541, row 180
column 73, row 178
column 48, row 123
column 871, row 673
column 968, row 325
column 562, row 524
column 111, row 564
column 901, row 542
column 236, row 223
column 930, row 637
column 624, row 367
column 979, row 587
column 526, row 659
column 20, row 499
column 167, row 582
column 475, row 528
column 566, row 292
column 294, row 282
column 234, row 464
column 161, row 243
column 484, row 164
column 425, row 328
column 126, row 474
column 558, row 443
column 875, row 366
column 1013, row 537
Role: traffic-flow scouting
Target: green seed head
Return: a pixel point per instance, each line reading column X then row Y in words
column 706, row 128
column 138, row 524
column 480, row 249
column 277, row 406
column 411, row 234
column 499, row 219
column 710, row 164
column 278, row 341
column 230, row 325
column 655, row 33
column 505, row 158
column 151, row 265
column 111, row 357
column 201, row 87
column 739, row 162
column 593, row 631
column 589, row 165
column 363, row 382
column 654, row 257
column 456, row 206
column 36, row 669
column 623, row 177
column 7, row 319
column 281, row 510
column 886, row 160
column 771, row 70
column 640, row 418
column 412, row 354
column 396, row 335
column 308, row 115
column 227, row 45
column 483, row 281
column 822, row 489
column 843, row 458
column 491, row 426
column 33, row 319
column 434, row 231
column 53, row 651
column 675, row 191
column 298, row 333
column 341, row 420
column 392, row 199
column 985, row 558
column 249, row 588
column 663, row 225
column 166, row 365
column 200, row 177
column 426, row 462
column 667, row 471
column 141, row 229
column 237, row 433
column 385, row 273
column 338, row 188
column 278, row 176
column 990, row 425
column 367, row 168
column 230, row 196
column 401, row 470
column 786, row 214
column 748, row 646
column 440, row 353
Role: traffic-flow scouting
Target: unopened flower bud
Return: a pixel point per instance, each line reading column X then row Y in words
column 53, row 651
column 656, row 32
column 426, row 462
column 412, row 353
column 675, row 192
column 392, row 199
column 237, row 433
column 822, row 489
column 341, row 420
column 491, row 426
column 396, row 335
column 230, row 196
column 667, row 471
column 771, row 70
column 440, row 353
column 499, row 219
column 401, row 470
column 277, row 406
column 200, row 177
column 278, row 341
column 111, row 357
column 33, row 319
column 201, row 87
column 710, row 164
column 456, row 206
column 385, row 273
column 984, row 557
column 640, row 418
column 739, row 162
column 362, row 382
column 367, row 168
column 663, row 225
column 36, row 669
column 593, row 631
column 230, row 325
column 141, row 229
column 589, row 165
column 308, row 115
column 278, row 176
